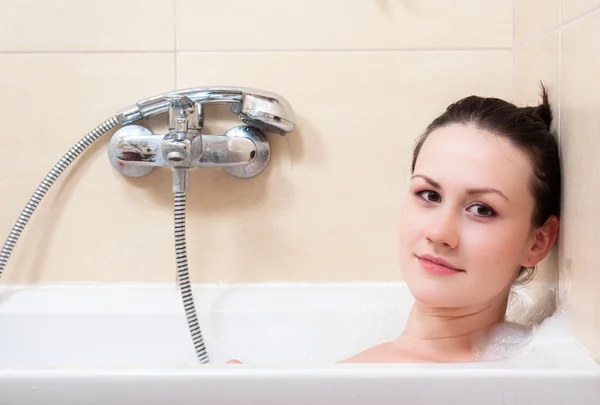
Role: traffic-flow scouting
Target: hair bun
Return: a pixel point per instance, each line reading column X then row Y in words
column 543, row 110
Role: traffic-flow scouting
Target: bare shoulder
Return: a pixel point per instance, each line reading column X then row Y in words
column 382, row 353
column 398, row 351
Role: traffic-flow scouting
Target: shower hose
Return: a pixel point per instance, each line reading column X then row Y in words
column 179, row 216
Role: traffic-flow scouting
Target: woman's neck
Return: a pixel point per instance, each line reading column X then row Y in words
column 450, row 334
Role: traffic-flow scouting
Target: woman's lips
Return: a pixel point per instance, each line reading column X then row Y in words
column 437, row 265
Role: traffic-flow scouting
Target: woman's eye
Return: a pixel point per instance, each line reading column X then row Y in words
column 482, row 210
column 430, row 196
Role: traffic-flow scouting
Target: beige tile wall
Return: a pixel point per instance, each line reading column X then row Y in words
column 566, row 55
column 364, row 77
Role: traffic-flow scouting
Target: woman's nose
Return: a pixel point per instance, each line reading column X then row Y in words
column 443, row 230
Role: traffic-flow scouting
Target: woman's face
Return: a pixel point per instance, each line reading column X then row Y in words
column 469, row 207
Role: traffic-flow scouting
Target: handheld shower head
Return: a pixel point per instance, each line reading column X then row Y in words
column 264, row 110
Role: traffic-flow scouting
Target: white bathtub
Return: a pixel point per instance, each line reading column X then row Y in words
column 129, row 344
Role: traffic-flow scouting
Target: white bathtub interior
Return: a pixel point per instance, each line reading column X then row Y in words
column 298, row 330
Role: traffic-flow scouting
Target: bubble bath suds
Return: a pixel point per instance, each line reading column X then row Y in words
column 509, row 340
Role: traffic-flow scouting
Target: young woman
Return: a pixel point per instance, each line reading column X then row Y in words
column 482, row 210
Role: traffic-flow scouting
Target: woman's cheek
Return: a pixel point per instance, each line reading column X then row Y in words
column 492, row 248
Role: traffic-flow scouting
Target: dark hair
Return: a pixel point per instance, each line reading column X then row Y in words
column 528, row 129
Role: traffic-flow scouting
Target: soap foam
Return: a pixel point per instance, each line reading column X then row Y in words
column 509, row 340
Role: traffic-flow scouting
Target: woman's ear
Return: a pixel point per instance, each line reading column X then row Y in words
column 544, row 239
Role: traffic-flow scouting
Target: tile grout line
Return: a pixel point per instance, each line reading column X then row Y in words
column 350, row 50
column 560, row 26
column 581, row 16
column 559, row 71
column 175, row 44
column 538, row 37
column 306, row 50
column 514, row 52
column 85, row 52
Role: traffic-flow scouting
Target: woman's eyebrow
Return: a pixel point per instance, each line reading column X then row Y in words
column 471, row 191
column 428, row 180
column 478, row 191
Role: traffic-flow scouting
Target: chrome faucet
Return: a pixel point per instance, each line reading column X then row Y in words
column 243, row 151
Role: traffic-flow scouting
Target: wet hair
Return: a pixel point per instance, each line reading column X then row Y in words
column 528, row 129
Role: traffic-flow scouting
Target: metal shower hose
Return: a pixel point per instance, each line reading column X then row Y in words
column 179, row 216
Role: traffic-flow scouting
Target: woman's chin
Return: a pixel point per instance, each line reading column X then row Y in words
column 430, row 300
column 432, row 295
